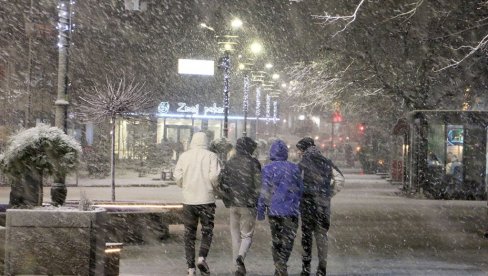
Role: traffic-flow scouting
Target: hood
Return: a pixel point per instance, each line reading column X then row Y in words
column 199, row 140
column 278, row 151
column 245, row 145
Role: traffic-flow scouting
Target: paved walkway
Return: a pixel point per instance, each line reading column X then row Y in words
column 375, row 231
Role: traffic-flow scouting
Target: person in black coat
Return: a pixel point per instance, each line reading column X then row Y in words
column 315, row 204
column 240, row 181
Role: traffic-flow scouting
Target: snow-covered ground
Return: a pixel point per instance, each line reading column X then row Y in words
column 375, row 231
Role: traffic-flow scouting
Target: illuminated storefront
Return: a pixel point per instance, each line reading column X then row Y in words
column 176, row 122
column 445, row 153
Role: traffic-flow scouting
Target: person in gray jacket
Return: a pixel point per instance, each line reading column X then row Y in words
column 197, row 172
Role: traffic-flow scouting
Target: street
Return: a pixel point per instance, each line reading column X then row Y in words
column 375, row 231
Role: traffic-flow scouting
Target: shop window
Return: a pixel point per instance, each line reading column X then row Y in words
column 436, row 152
column 454, row 149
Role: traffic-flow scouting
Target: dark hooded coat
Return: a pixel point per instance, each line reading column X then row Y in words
column 317, row 172
column 240, row 180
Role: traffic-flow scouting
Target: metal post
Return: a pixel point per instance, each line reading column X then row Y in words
column 64, row 30
column 275, row 116
column 258, row 108
column 245, row 102
column 226, row 66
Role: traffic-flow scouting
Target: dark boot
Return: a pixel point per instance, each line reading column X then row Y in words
column 241, row 268
column 305, row 268
column 322, row 270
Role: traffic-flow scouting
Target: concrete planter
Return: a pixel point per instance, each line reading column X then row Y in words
column 60, row 241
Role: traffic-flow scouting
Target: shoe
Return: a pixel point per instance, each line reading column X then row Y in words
column 305, row 269
column 203, row 266
column 192, row 272
column 241, row 268
column 321, row 271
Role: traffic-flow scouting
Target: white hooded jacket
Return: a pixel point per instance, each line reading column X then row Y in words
column 197, row 172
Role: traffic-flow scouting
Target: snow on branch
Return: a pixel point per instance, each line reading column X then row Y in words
column 115, row 98
column 410, row 12
column 329, row 19
column 472, row 50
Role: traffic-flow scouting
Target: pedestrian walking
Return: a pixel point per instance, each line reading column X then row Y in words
column 315, row 204
column 281, row 192
column 197, row 172
column 240, row 181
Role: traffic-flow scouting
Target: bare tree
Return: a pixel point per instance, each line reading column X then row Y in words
column 394, row 48
column 116, row 98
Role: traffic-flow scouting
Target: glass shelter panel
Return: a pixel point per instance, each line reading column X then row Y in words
column 436, row 146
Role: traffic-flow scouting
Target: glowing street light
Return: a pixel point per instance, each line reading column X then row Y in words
column 256, row 48
column 236, row 23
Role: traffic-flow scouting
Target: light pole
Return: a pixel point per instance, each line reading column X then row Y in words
column 225, row 65
column 58, row 189
column 64, row 36
column 247, row 67
column 258, row 78
column 227, row 44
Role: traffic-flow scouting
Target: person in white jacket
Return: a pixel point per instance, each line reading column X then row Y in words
column 197, row 172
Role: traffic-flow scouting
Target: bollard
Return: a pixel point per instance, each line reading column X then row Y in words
column 112, row 258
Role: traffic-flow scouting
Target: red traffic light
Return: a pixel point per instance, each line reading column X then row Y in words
column 336, row 117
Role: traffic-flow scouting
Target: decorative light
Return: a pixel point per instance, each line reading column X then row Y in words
column 275, row 111
column 256, row 48
column 268, row 66
column 203, row 25
column 228, row 47
column 258, row 101
column 275, row 76
column 283, row 85
column 236, row 23
column 245, row 104
column 268, row 108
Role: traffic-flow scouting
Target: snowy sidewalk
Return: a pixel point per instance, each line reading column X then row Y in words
column 375, row 231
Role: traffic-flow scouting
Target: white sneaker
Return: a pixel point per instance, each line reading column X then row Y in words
column 192, row 272
column 203, row 266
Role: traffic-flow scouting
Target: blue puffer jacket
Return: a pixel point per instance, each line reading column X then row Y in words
column 282, row 185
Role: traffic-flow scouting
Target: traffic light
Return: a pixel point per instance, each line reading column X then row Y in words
column 336, row 117
column 361, row 128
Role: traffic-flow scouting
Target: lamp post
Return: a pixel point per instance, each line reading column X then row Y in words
column 258, row 79
column 225, row 65
column 245, row 102
column 247, row 67
column 64, row 34
column 58, row 189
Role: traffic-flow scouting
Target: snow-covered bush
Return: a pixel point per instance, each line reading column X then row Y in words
column 43, row 149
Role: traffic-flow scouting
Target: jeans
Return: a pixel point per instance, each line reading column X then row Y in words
column 283, row 233
column 315, row 222
column 242, row 223
column 191, row 215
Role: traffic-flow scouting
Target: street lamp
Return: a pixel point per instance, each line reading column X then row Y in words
column 227, row 44
column 64, row 36
column 246, row 67
column 258, row 78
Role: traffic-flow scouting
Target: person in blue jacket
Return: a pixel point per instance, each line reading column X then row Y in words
column 280, row 197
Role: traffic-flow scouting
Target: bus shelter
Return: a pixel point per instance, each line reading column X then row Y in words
column 445, row 153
